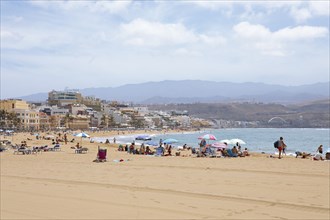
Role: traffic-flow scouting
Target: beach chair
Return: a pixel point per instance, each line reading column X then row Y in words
column 57, row 147
column 23, row 150
column 101, row 155
column 81, row 150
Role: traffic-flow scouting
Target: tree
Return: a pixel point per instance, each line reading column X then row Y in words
column 104, row 121
column 136, row 122
column 111, row 121
column 9, row 119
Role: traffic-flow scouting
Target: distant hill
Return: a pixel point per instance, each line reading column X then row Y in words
column 192, row 91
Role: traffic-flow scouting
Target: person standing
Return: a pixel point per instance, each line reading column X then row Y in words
column 281, row 146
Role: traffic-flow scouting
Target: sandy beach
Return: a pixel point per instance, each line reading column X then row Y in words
column 65, row 185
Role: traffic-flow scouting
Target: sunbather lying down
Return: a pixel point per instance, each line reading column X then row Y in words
column 303, row 155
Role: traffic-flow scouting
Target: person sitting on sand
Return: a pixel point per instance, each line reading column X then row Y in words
column 148, row 151
column 107, row 141
column 303, row 155
column 320, row 149
column 78, row 146
column 120, row 147
column 318, row 156
column 245, row 152
column 131, row 149
column 169, row 151
column 142, row 149
column 234, row 150
column 224, row 152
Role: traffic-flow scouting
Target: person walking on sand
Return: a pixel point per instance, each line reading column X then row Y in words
column 281, row 146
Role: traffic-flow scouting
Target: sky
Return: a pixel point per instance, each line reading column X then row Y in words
column 48, row 45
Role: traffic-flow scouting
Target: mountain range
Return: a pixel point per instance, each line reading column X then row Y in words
column 194, row 91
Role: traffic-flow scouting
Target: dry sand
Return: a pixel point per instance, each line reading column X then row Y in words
column 65, row 185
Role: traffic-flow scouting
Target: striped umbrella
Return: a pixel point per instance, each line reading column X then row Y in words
column 208, row 137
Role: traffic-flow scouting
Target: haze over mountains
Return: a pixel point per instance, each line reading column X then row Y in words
column 192, row 91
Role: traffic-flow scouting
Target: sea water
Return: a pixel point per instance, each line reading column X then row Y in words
column 256, row 139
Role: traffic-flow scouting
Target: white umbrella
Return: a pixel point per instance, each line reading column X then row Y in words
column 82, row 135
column 225, row 141
column 236, row 140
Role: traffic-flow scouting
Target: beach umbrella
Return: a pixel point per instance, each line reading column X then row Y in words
column 219, row 145
column 225, row 141
column 208, row 137
column 82, row 135
column 236, row 140
column 170, row 141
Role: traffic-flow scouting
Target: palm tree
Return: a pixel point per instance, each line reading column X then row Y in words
column 104, row 121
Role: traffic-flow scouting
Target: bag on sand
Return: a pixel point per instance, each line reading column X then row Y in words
column 276, row 144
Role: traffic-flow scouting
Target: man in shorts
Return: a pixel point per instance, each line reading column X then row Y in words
column 281, row 146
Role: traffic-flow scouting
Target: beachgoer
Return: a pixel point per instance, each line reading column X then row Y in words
column 78, row 146
column 169, row 151
column 283, row 150
column 318, row 156
column 107, row 141
column 148, row 151
column 245, row 152
column 320, row 149
column 281, row 145
column 234, row 150
column 65, row 138
column 202, row 145
column 142, row 149
column 114, row 140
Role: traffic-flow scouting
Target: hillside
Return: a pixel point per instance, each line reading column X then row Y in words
column 193, row 91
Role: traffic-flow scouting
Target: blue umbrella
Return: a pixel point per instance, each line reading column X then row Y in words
column 82, row 134
column 170, row 141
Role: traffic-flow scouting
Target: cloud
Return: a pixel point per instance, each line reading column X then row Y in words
column 321, row 8
column 112, row 7
column 273, row 43
column 300, row 11
column 140, row 32
column 300, row 15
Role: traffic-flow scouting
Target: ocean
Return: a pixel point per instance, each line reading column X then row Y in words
column 256, row 139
